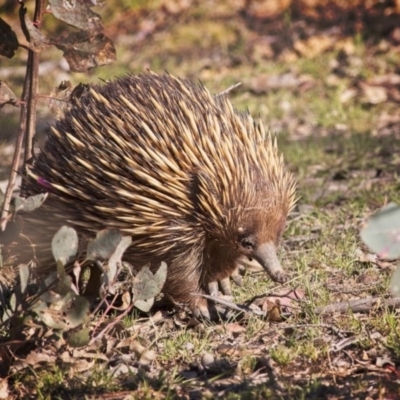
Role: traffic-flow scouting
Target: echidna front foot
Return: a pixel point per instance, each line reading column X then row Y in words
column 223, row 284
column 201, row 310
column 206, row 310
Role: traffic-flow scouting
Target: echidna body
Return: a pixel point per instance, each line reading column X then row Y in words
column 194, row 182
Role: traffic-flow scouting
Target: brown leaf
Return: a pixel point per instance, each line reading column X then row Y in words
column 314, row 45
column 4, row 393
column 83, row 51
column 373, row 94
column 283, row 299
column 7, row 96
column 34, row 358
column 8, row 40
column 273, row 310
column 77, row 13
column 234, row 328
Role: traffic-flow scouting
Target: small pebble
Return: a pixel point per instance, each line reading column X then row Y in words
column 207, row 360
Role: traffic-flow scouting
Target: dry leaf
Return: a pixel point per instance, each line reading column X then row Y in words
column 314, row 45
column 366, row 257
column 273, row 310
column 4, row 393
column 347, row 95
column 234, row 328
column 373, row 94
column 36, row 357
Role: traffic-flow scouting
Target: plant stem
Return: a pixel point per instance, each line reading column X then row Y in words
column 27, row 122
column 33, row 71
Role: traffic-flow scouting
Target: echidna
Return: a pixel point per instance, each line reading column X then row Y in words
column 194, row 182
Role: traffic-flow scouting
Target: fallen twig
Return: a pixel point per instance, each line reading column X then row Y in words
column 359, row 305
column 232, row 306
column 228, row 90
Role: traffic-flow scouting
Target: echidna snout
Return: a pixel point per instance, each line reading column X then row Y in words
column 265, row 255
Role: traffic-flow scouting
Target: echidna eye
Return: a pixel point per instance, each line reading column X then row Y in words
column 248, row 243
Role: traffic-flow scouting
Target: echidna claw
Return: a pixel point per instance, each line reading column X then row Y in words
column 211, row 312
column 226, row 286
column 213, row 288
column 202, row 310
column 237, row 278
column 281, row 277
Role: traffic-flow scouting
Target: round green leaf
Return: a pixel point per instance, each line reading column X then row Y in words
column 64, row 244
column 395, row 283
column 104, row 245
column 78, row 338
column 147, row 285
column 382, row 232
column 24, row 273
column 30, row 203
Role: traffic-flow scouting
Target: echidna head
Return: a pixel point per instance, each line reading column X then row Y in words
column 258, row 236
column 248, row 212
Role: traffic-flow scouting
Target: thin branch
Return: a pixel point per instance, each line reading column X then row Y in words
column 33, row 88
column 5, row 214
column 232, row 306
column 228, row 90
column 27, row 122
column 359, row 305
column 32, row 101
